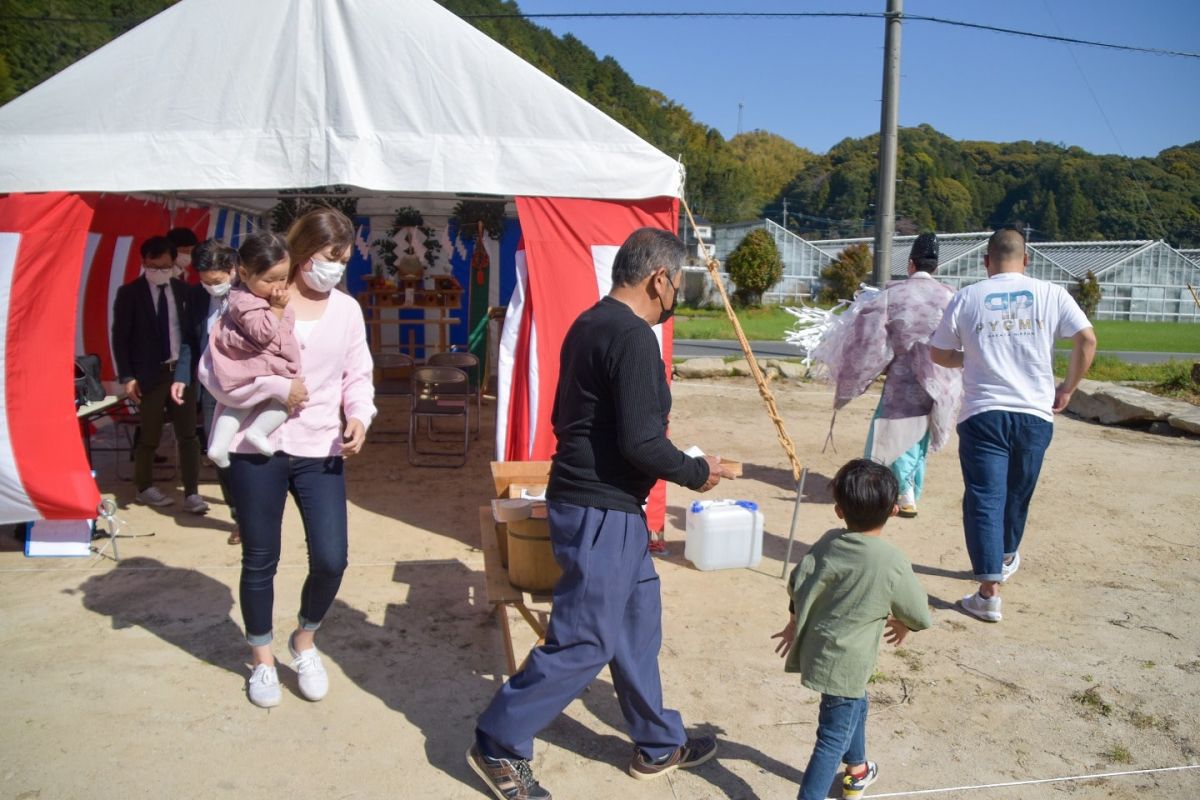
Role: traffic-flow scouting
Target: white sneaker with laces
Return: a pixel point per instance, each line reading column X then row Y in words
column 313, row 679
column 152, row 497
column 194, row 504
column 263, row 688
column 1009, row 568
column 984, row 608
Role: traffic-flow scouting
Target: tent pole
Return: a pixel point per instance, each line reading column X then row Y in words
column 787, row 558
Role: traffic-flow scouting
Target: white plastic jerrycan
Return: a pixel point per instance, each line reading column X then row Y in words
column 724, row 534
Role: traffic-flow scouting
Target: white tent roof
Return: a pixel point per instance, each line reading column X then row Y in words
column 386, row 95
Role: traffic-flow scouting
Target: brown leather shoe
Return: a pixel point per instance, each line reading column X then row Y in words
column 693, row 753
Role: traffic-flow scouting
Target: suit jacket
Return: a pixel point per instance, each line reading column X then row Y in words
column 135, row 334
column 199, row 304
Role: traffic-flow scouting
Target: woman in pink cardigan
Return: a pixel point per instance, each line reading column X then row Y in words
column 309, row 448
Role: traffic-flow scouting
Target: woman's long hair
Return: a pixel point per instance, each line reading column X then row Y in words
column 316, row 230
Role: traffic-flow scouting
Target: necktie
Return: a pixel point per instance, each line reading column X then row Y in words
column 164, row 324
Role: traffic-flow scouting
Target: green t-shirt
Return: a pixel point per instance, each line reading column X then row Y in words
column 843, row 591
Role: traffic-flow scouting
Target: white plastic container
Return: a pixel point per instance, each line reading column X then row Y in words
column 724, row 534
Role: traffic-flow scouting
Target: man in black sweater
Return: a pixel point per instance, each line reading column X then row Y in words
column 610, row 418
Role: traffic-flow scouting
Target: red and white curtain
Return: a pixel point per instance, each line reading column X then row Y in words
column 564, row 266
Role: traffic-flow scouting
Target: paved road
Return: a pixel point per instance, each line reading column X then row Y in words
column 694, row 348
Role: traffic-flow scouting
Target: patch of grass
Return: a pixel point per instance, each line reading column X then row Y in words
column 1148, row 665
column 1169, row 379
column 768, row 322
column 1146, row 337
column 878, row 676
column 1118, row 754
column 1090, row 698
column 1142, row 721
column 1088, row 678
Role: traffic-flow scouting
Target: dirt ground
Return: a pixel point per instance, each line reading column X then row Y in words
column 127, row 680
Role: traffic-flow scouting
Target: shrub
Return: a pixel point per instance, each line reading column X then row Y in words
column 1088, row 294
column 840, row 280
column 754, row 266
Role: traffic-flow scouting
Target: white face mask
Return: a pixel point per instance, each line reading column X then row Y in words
column 158, row 277
column 324, row 275
column 183, row 260
column 217, row 290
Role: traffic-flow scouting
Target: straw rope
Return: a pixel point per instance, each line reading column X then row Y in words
column 784, row 440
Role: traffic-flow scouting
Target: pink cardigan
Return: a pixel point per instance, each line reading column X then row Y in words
column 337, row 370
column 249, row 341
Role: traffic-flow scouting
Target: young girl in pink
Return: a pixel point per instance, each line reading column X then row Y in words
column 255, row 337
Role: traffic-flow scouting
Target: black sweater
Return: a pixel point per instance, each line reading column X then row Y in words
column 610, row 415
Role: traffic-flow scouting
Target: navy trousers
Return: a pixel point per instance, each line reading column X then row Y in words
column 607, row 611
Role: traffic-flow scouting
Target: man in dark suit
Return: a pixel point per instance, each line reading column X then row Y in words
column 154, row 362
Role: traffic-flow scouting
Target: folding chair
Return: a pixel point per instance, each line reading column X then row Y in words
column 469, row 364
column 438, row 392
column 392, row 387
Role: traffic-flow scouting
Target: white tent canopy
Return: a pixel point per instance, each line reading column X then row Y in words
column 217, row 96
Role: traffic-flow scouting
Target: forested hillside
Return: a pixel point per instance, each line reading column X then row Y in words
column 1061, row 192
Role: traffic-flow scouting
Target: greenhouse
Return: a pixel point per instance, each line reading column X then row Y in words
column 1139, row 280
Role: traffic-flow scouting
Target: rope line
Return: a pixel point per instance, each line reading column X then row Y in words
column 780, row 431
column 1037, row 781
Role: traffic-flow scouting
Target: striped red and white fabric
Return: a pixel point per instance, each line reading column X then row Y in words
column 44, row 472
column 112, row 258
column 564, row 265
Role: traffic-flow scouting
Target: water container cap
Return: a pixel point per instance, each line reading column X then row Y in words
column 701, row 505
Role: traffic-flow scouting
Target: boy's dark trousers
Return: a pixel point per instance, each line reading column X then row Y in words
column 155, row 407
column 841, row 739
column 607, row 611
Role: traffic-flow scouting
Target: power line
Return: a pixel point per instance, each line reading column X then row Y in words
column 711, row 15
column 832, row 14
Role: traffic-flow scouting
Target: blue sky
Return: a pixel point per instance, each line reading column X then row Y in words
column 818, row 81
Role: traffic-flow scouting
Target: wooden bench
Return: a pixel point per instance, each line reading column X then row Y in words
column 502, row 595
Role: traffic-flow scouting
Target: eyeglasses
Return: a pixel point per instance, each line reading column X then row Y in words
column 149, row 268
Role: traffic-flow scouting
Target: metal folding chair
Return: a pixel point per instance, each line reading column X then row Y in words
column 438, row 392
column 386, row 386
column 469, row 364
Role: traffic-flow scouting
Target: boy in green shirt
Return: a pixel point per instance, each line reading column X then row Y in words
column 845, row 590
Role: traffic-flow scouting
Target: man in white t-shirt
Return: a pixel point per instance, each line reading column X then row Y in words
column 1001, row 332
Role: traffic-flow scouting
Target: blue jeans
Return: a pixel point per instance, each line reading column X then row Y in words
column 607, row 612
column 841, row 739
column 260, row 487
column 1001, row 456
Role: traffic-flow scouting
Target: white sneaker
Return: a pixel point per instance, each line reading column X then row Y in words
column 1009, row 568
column 314, row 680
column 263, row 688
column 984, row 608
column 152, row 497
column 194, row 504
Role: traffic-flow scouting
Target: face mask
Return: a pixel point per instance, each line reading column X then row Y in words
column 667, row 313
column 159, row 277
column 217, row 290
column 183, row 260
column 324, row 275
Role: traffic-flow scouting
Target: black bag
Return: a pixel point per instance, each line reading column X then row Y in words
column 88, row 388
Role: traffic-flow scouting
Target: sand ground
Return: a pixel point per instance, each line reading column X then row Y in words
column 126, row 680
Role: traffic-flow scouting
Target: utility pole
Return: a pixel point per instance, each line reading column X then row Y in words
column 740, row 117
column 885, row 208
column 785, row 213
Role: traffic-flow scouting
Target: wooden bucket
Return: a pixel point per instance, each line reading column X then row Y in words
column 531, row 564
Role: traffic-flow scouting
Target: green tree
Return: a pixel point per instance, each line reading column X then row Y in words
column 755, row 266
column 841, row 278
column 8, row 89
column 1088, row 294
